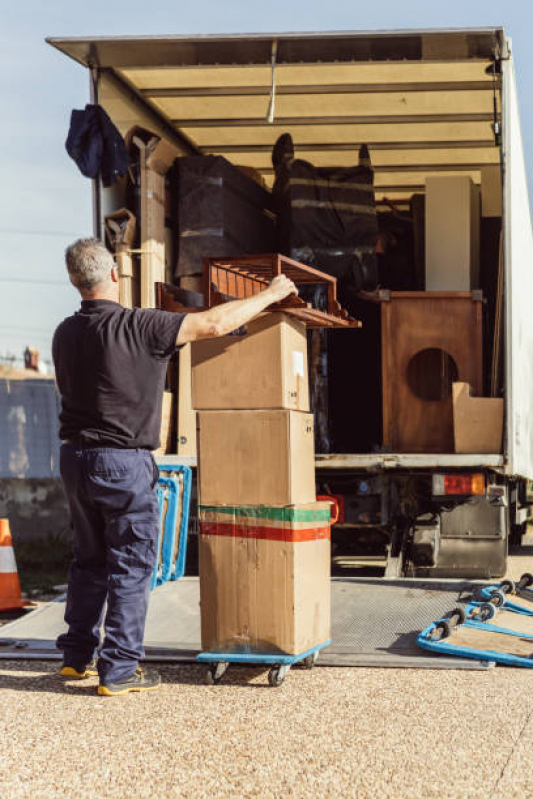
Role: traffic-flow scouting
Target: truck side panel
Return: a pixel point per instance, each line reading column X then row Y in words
column 518, row 256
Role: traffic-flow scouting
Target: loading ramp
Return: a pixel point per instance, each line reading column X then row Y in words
column 375, row 623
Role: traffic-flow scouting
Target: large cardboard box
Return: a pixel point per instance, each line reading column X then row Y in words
column 477, row 422
column 264, row 368
column 263, row 457
column 452, row 233
column 265, row 578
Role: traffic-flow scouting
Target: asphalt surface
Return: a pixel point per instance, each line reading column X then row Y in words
column 336, row 732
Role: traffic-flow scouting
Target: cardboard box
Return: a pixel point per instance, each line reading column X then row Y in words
column 452, row 234
column 477, row 422
column 265, row 578
column 265, row 368
column 261, row 457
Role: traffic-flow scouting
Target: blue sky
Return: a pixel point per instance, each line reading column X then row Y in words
column 45, row 202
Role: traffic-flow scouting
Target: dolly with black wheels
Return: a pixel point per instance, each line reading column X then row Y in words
column 279, row 663
column 516, row 596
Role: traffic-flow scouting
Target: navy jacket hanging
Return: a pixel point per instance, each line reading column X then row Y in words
column 96, row 145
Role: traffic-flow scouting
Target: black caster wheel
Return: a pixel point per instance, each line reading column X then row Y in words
column 487, row 611
column 457, row 616
column 507, row 587
column 310, row 660
column 497, row 598
column 526, row 580
column 276, row 675
column 214, row 673
column 441, row 630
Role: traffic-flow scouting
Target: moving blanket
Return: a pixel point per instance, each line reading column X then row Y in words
column 327, row 216
column 217, row 211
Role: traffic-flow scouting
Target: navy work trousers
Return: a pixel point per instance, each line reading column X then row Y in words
column 113, row 504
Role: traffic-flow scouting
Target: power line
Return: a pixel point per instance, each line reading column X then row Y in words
column 22, row 232
column 33, row 280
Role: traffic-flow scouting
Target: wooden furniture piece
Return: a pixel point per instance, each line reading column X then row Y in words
column 155, row 156
column 429, row 341
column 242, row 276
column 121, row 229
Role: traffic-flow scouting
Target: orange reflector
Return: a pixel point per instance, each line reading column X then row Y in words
column 457, row 484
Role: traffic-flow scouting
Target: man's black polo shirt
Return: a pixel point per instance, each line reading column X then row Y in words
column 110, row 367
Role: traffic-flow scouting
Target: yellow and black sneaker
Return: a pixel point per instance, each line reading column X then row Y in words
column 79, row 671
column 140, row 680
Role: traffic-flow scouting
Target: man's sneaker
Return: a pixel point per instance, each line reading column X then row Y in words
column 140, row 680
column 79, row 671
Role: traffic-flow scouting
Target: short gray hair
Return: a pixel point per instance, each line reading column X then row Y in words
column 89, row 263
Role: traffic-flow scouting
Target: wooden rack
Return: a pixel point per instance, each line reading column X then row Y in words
column 243, row 276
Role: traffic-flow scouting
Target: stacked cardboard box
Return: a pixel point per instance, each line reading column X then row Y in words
column 264, row 541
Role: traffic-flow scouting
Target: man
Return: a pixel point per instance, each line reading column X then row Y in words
column 110, row 365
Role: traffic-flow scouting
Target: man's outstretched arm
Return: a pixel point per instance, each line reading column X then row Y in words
column 223, row 319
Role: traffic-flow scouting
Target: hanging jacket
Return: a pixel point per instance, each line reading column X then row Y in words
column 96, row 145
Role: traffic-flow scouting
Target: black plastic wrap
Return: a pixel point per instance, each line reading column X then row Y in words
column 218, row 211
column 327, row 216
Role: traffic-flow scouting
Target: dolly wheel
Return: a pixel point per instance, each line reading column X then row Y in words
column 507, row 587
column 215, row 672
column 526, row 580
column 487, row 611
column 310, row 660
column 497, row 598
column 276, row 675
column 441, row 630
column 457, row 616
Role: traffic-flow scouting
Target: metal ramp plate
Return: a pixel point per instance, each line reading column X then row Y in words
column 375, row 623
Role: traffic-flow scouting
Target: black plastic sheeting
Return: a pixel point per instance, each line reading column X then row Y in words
column 327, row 216
column 218, row 211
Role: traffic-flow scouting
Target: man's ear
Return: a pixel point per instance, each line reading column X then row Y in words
column 114, row 274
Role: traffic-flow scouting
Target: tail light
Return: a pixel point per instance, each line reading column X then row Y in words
column 459, row 484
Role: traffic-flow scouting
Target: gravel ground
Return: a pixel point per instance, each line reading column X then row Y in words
column 335, row 732
column 330, row 732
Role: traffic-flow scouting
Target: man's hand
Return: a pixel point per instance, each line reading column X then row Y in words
column 281, row 287
column 222, row 319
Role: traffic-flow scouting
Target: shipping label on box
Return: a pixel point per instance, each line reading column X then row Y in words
column 265, row 578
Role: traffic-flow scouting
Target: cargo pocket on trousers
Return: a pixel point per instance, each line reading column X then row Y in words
column 132, row 550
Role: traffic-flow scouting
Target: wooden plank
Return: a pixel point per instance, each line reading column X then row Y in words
column 491, row 641
column 155, row 157
column 305, row 74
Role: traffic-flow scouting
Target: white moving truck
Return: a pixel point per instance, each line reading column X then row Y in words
column 429, row 105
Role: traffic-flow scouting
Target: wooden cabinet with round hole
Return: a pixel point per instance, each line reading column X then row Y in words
column 429, row 341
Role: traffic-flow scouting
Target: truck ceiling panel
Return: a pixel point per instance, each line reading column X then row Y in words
column 382, row 160
column 155, row 51
column 379, row 74
column 216, row 109
column 424, row 103
column 440, row 134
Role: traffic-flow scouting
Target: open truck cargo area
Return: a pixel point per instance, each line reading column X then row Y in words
column 394, row 162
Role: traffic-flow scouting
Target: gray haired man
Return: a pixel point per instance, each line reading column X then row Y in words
column 110, row 365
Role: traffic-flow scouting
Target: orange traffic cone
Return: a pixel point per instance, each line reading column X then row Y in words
column 10, row 597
